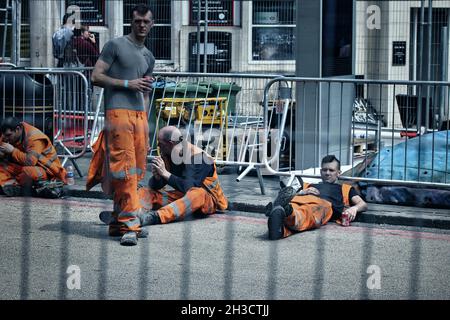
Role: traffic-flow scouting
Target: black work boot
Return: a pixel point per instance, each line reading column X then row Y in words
column 129, row 239
column 13, row 190
column 114, row 231
column 284, row 197
column 149, row 218
column 297, row 183
column 275, row 223
column 107, row 217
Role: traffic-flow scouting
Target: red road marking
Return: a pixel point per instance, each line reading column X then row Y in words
column 257, row 221
column 352, row 229
column 72, row 203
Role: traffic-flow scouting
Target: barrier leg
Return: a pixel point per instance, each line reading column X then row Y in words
column 260, row 179
column 75, row 165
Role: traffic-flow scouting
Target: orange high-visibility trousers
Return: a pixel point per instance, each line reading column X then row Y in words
column 309, row 212
column 127, row 145
column 174, row 205
column 12, row 173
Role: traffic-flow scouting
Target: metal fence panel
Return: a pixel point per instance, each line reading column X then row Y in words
column 410, row 148
column 55, row 101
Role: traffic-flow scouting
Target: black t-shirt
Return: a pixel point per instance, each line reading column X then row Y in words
column 185, row 176
column 332, row 192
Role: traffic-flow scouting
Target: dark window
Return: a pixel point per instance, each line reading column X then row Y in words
column 159, row 38
column 220, row 12
column 273, row 30
column 218, row 52
column 337, row 36
column 24, row 29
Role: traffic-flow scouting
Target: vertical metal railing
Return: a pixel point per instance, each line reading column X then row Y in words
column 427, row 148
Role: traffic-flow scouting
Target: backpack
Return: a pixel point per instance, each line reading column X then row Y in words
column 70, row 56
column 59, row 41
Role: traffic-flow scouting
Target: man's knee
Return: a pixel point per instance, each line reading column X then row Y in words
column 28, row 176
column 196, row 192
column 201, row 200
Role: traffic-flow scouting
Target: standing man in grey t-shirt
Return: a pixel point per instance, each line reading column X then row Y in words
column 124, row 69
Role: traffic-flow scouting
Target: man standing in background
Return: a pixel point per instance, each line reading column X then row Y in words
column 62, row 37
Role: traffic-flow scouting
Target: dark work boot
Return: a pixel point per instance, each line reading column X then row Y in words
column 275, row 223
column 114, row 231
column 13, row 190
column 149, row 218
column 288, row 210
column 284, row 197
column 129, row 239
column 297, row 183
column 107, row 217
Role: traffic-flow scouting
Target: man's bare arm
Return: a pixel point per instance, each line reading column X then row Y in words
column 101, row 79
column 358, row 205
column 146, row 102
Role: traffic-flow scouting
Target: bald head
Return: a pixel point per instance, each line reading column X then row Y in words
column 169, row 133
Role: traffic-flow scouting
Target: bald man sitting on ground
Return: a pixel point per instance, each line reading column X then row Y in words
column 192, row 175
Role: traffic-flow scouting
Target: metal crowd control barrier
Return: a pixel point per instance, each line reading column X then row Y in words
column 53, row 100
column 220, row 113
column 378, row 129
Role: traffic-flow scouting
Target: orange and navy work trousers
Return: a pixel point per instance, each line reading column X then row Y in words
column 12, row 173
column 174, row 205
column 126, row 145
column 309, row 212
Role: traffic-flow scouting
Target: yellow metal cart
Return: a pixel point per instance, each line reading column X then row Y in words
column 202, row 113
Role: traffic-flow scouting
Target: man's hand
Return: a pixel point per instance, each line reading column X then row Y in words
column 160, row 167
column 141, row 84
column 352, row 211
column 311, row 190
column 149, row 79
column 6, row 148
column 155, row 173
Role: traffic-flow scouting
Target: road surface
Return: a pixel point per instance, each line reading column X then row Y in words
column 57, row 249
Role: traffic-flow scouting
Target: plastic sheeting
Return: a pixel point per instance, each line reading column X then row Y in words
column 401, row 162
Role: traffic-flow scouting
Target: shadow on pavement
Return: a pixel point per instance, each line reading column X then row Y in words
column 82, row 228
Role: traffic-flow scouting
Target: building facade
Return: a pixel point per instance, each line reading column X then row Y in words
column 391, row 40
column 242, row 36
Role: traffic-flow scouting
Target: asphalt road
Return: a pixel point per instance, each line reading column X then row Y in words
column 57, row 249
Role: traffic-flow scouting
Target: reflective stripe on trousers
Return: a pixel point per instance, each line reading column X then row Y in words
column 179, row 205
column 23, row 175
column 126, row 138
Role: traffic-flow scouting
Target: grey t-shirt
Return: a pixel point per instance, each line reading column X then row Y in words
column 128, row 61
